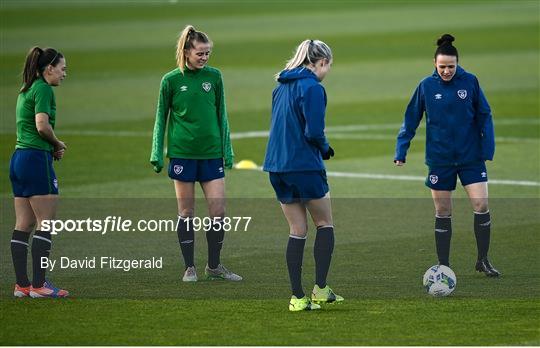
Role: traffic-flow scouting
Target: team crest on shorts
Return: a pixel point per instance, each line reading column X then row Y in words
column 433, row 179
column 462, row 93
column 178, row 169
column 206, row 86
column 55, row 183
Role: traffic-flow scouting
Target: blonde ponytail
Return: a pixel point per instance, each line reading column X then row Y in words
column 308, row 52
column 185, row 42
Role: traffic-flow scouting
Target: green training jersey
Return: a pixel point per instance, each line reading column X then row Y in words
column 39, row 98
column 192, row 106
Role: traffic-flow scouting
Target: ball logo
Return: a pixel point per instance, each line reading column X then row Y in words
column 178, row 169
column 433, row 179
column 55, row 183
column 462, row 93
column 206, row 86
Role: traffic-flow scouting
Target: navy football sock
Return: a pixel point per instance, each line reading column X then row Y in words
column 482, row 232
column 294, row 256
column 324, row 246
column 41, row 247
column 19, row 255
column 215, row 237
column 443, row 235
column 186, row 238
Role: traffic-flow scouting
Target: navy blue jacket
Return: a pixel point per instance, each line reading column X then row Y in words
column 459, row 126
column 297, row 137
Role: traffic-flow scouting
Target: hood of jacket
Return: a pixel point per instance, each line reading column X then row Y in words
column 287, row 76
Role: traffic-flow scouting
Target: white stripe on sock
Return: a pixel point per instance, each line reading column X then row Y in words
column 19, row 242
column 297, row 237
column 42, row 238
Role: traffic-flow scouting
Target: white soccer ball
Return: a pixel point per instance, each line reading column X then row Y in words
column 439, row 281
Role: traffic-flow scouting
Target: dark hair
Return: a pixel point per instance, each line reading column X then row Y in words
column 37, row 60
column 445, row 46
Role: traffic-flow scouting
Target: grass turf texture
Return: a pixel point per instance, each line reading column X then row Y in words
column 383, row 245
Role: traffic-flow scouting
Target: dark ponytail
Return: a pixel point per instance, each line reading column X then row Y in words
column 36, row 62
column 445, row 47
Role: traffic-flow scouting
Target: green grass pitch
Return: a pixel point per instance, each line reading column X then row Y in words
column 116, row 54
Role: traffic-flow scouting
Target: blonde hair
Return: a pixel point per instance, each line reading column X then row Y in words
column 308, row 52
column 185, row 42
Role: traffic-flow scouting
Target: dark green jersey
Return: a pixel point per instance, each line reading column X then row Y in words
column 39, row 98
column 194, row 105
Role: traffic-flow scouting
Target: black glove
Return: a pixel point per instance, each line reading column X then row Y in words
column 328, row 154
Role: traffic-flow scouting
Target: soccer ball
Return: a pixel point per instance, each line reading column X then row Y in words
column 439, row 281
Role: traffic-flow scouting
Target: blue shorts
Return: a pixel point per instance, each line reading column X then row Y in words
column 444, row 178
column 293, row 187
column 191, row 170
column 32, row 174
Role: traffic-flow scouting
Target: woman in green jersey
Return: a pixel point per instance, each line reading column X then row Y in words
column 32, row 176
column 192, row 104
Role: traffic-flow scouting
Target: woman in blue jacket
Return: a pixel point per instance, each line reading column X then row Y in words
column 294, row 159
column 459, row 139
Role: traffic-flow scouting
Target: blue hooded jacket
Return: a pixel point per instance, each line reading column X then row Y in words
column 297, row 137
column 459, row 126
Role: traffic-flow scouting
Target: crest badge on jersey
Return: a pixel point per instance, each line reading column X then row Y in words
column 462, row 93
column 178, row 169
column 433, row 179
column 207, row 86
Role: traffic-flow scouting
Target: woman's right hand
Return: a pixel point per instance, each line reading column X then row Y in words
column 59, row 150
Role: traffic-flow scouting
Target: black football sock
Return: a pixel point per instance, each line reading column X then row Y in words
column 482, row 232
column 19, row 255
column 294, row 256
column 186, row 238
column 41, row 247
column 215, row 237
column 443, row 235
column 324, row 246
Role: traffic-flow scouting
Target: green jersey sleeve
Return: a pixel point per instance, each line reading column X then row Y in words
column 228, row 153
column 162, row 113
column 44, row 99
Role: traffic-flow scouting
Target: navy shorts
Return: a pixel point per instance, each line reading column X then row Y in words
column 31, row 173
column 444, row 178
column 293, row 187
column 191, row 170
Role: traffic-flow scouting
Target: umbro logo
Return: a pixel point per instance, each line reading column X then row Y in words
column 438, row 96
column 220, row 169
column 483, row 174
column 55, row 183
column 183, row 88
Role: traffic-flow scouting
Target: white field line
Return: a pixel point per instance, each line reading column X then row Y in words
column 329, row 130
column 417, row 178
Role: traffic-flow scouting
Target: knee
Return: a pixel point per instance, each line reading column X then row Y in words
column 217, row 212
column 25, row 226
column 481, row 207
column 298, row 231
column 443, row 211
column 187, row 212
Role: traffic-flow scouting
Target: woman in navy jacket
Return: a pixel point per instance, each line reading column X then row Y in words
column 459, row 139
column 294, row 157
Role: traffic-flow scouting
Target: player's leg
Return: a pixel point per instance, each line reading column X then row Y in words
column 185, row 199
column 296, row 216
column 24, row 224
column 478, row 196
column 442, row 201
column 442, row 181
column 321, row 214
column 214, row 192
column 44, row 208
